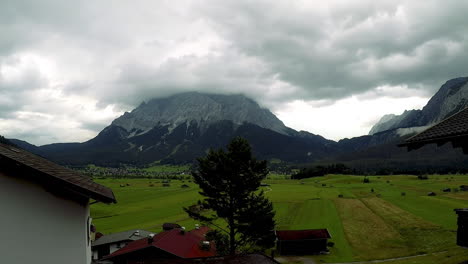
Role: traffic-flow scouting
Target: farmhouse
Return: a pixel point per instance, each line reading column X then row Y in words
column 455, row 130
column 46, row 203
column 237, row 259
column 173, row 244
column 302, row 242
column 108, row 244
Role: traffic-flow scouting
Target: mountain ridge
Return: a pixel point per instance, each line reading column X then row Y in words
column 201, row 108
column 173, row 130
column 182, row 127
column 451, row 98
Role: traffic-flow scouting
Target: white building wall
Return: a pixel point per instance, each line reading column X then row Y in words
column 114, row 247
column 39, row 227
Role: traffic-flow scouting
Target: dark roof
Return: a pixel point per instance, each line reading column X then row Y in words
column 237, row 259
column 169, row 226
column 130, row 235
column 454, row 128
column 302, row 234
column 176, row 242
column 46, row 171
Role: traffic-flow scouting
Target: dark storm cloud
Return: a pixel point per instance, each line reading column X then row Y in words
column 101, row 55
column 351, row 48
column 320, row 52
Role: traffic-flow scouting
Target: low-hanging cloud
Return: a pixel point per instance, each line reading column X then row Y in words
column 109, row 58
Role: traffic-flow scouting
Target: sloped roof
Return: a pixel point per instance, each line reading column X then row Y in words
column 237, row 259
column 47, row 171
column 454, row 129
column 122, row 236
column 303, row 234
column 176, row 242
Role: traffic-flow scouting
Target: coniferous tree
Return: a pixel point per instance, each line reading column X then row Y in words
column 3, row 140
column 229, row 181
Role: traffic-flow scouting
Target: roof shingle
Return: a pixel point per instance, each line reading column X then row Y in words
column 67, row 178
column 454, row 128
column 178, row 243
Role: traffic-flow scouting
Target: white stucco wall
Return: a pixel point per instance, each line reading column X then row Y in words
column 39, row 227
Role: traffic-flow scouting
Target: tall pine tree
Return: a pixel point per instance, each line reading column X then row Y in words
column 229, row 181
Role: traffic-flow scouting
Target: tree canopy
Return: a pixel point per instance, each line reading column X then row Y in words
column 229, row 181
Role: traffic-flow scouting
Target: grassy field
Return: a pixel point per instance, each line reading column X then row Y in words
column 390, row 217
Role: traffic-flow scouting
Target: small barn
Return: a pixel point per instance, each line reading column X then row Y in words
column 302, row 242
column 462, row 233
column 170, row 226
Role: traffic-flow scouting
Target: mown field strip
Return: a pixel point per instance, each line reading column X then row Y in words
column 391, row 216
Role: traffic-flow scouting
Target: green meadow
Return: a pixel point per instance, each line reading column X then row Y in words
column 389, row 217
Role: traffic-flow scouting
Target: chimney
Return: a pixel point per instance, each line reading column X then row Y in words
column 150, row 238
column 205, row 245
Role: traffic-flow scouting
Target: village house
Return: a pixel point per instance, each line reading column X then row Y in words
column 302, row 242
column 108, row 244
column 255, row 258
column 172, row 244
column 43, row 202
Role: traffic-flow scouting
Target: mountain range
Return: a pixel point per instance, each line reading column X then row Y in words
column 182, row 127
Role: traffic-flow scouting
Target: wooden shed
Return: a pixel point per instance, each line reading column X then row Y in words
column 302, row 242
column 462, row 232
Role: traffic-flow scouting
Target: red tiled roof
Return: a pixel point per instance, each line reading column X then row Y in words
column 201, row 231
column 302, row 234
column 64, row 177
column 255, row 258
column 181, row 244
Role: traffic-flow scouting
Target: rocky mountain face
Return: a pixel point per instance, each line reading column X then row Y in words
column 200, row 109
column 378, row 152
column 180, row 128
column 451, row 98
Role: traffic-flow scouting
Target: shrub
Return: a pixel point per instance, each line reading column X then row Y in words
column 423, row 177
column 330, row 244
column 340, row 196
column 403, row 194
column 366, row 180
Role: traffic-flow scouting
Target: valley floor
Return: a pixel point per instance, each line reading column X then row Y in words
column 389, row 217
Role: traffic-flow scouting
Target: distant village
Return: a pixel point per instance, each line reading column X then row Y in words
column 58, row 199
column 48, row 201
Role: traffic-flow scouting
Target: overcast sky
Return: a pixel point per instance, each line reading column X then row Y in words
column 68, row 68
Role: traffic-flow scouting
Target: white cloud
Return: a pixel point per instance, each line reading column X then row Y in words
column 348, row 117
column 102, row 59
